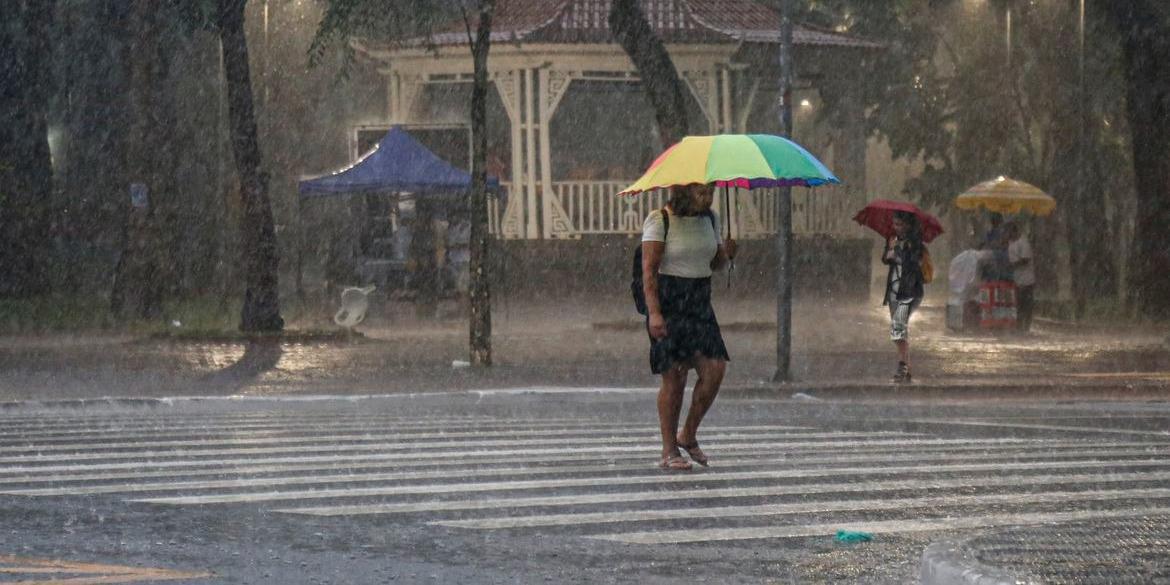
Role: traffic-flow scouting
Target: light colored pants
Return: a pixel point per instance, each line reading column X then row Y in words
column 900, row 318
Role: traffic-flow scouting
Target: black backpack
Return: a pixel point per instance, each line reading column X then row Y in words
column 636, row 289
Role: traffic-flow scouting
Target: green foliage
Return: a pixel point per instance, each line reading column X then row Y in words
column 54, row 313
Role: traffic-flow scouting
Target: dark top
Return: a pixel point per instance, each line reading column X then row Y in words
column 904, row 281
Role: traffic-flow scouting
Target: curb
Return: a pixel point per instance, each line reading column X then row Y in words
column 1031, row 390
column 949, row 562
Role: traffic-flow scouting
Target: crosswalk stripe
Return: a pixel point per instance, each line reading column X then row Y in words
column 477, row 457
column 720, row 493
column 50, row 421
column 367, row 430
column 417, row 441
column 630, row 480
column 153, row 428
column 688, row 513
column 817, row 455
column 880, row 527
column 352, row 477
column 974, row 423
column 466, row 450
column 1048, row 452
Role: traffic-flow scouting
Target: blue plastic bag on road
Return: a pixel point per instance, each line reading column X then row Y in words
column 851, row 536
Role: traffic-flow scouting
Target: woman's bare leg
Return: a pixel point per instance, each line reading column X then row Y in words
column 670, row 397
column 903, row 351
column 706, row 389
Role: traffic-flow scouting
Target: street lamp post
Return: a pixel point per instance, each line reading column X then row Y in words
column 784, row 211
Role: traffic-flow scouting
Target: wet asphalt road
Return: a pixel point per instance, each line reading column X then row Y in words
column 552, row 486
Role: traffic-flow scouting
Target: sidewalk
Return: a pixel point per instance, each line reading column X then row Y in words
column 1127, row 549
column 838, row 351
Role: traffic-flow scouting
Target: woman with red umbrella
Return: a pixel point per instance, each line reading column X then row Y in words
column 906, row 229
column 904, row 291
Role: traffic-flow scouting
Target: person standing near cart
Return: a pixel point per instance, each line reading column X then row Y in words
column 1024, row 275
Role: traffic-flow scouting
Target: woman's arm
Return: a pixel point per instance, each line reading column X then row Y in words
column 651, row 260
column 723, row 255
column 889, row 254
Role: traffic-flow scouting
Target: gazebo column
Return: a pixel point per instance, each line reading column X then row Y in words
column 512, row 225
column 747, row 103
column 403, row 91
column 555, row 222
column 725, row 120
column 531, row 228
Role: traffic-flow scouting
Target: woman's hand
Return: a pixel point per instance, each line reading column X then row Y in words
column 657, row 326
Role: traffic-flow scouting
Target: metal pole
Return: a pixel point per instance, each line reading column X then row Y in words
column 784, row 211
column 1079, row 192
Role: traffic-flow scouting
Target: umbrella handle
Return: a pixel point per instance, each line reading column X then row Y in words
column 727, row 212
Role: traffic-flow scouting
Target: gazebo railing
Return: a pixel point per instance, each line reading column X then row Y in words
column 595, row 208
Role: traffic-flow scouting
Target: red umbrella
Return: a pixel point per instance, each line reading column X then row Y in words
column 879, row 217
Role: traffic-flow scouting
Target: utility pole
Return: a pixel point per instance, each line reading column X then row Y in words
column 1079, row 190
column 784, row 211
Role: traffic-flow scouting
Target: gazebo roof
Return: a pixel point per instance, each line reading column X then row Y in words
column 675, row 21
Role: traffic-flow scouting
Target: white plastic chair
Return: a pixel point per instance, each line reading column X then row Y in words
column 354, row 304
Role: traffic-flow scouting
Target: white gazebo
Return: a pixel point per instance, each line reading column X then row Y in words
column 724, row 50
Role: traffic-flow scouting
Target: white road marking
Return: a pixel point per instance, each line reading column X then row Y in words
column 446, row 458
column 351, row 477
column 629, row 480
column 692, row 512
column 285, row 430
column 721, row 493
column 879, row 527
column 819, row 456
column 477, row 449
column 419, row 441
column 1014, row 425
column 164, row 425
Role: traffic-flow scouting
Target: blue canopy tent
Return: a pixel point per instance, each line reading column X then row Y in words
column 398, row 164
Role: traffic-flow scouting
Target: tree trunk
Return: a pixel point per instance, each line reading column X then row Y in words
column 26, row 170
column 261, row 259
column 1097, row 274
column 660, row 80
column 1145, row 38
column 138, row 278
column 478, row 289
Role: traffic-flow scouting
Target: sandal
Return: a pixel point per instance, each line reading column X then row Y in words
column 902, row 374
column 697, row 455
column 675, row 463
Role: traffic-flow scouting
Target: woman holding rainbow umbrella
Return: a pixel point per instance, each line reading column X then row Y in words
column 682, row 245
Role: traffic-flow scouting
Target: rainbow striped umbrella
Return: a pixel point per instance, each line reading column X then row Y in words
column 734, row 160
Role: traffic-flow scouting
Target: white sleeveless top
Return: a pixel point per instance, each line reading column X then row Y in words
column 691, row 243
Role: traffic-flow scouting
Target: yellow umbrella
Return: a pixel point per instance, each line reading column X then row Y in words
column 1004, row 195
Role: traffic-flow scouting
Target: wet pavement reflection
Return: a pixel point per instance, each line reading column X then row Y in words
column 596, row 344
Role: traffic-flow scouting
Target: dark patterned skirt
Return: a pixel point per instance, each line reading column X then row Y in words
column 691, row 327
